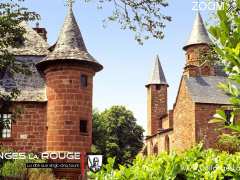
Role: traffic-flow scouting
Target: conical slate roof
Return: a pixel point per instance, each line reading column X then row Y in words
column 70, row 45
column 199, row 33
column 157, row 75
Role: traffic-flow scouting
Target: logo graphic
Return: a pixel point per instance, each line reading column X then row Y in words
column 207, row 5
column 94, row 162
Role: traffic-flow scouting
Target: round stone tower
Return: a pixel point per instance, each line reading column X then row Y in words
column 156, row 98
column 197, row 45
column 68, row 71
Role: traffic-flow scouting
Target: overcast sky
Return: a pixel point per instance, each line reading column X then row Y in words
column 126, row 64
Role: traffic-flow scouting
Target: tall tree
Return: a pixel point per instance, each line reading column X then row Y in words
column 116, row 134
column 11, row 33
column 146, row 18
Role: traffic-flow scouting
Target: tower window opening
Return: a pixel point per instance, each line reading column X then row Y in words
column 84, row 80
column 83, row 126
column 158, row 87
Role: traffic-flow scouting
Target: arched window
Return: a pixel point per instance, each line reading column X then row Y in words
column 155, row 149
column 145, row 152
column 167, row 146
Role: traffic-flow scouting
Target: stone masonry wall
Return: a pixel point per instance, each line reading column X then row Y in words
column 194, row 65
column 157, row 107
column 28, row 131
column 205, row 131
column 68, row 103
column 165, row 122
column 184, row 120
column 193, row 53
column 158, row 144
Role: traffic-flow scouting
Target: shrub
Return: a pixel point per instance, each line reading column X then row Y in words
column 229, row 143
column 195, row 163
column 41, row 174
column 17, row 168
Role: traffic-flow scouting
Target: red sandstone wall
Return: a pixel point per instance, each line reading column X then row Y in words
column 193, row 53
column 159, row 141
column 157, row 107
column 184, row 120
column 194, row 64
column 28, row 131
column 165, row 122
column 68, row 103
column 170, row 117
column 205, row 131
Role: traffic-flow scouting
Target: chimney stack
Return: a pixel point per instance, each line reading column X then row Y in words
column 41, row 31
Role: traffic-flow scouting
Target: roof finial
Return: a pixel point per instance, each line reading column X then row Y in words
column 37, row 25
column 198, row 9
column 70, row 3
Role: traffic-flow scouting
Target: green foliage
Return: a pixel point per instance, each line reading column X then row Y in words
column 195, row 163
column 17, row 167
column 227, row 46
column 12, row 36
column 41, row 174
column 14, row 168
column 11, row 33
column 229, row 143
column 116, row 133
column 145, row 18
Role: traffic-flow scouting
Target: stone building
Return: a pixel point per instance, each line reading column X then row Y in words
column 197, row 99
column 56, row 99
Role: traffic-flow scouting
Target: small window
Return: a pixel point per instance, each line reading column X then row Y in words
column 19, row 41
column 84, row 81
column 83, row 126
column 158, row 87
column 155, row 149
column 5, row 125
column 228, row 114
column 2, row 73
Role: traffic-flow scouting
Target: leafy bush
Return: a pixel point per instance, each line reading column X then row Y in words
column 229, row 143
column 41, row 174
column 17, row 168
column 14, row 168
column 195, row 163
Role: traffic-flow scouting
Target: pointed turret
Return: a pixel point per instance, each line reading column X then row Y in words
column 70, row 45
column 68, row 72
column 157, row 75
column 199, row 33
column 157, row 98
column 197, row 45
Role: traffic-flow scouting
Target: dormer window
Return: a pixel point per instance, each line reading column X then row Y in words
column 84, row 81
column 19, row 41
